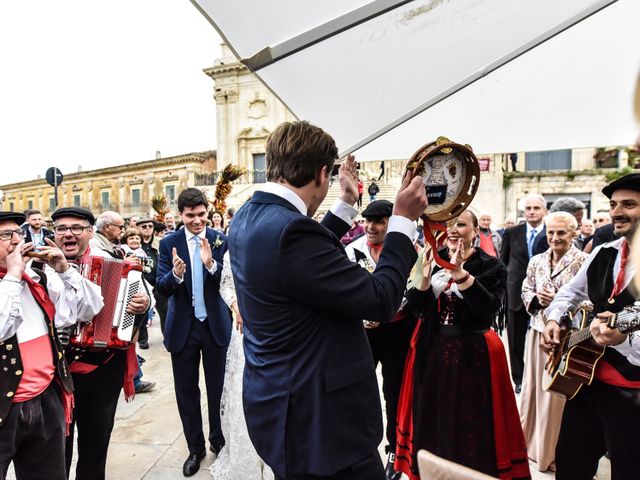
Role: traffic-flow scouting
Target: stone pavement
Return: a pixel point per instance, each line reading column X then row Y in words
column 147, row 441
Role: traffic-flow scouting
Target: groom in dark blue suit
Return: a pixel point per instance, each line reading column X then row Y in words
column 310, row 392
column 198, row 322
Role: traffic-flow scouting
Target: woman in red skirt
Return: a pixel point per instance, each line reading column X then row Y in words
column 457, row 401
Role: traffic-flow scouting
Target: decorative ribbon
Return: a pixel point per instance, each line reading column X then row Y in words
column 429, row 227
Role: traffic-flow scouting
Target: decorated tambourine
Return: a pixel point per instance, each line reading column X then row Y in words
column 450, row 173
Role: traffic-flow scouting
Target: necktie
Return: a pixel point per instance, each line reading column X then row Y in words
column 532, row 237
column 199, row 307
column 618, row 287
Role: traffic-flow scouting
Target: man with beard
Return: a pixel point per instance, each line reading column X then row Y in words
column 605, row 415
column 389, row 342
column 98, row 376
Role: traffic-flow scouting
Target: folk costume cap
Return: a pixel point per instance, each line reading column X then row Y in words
column 628, row 182
column 19, row 218
column 378, row 209
column 74, row 212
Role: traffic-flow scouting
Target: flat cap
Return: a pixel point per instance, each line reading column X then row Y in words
column 19, row 218
column 378, row 209
column 145, row 220
column 628, row 182
column 74, row 212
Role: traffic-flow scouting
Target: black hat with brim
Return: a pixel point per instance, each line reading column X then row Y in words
column 378, row 209
column 628, row 182
column 74, row 212
column 19, row 218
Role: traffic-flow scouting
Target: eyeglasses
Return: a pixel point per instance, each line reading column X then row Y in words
column 8, row 234
column 121, row 227
column 75, row 229
column 146, row 225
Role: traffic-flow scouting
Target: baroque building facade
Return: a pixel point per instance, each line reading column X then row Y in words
column 127, row 189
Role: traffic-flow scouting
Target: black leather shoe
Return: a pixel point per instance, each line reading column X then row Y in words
column 518, row 388
column 143, row 345
column 390, row 471
column 216, row 448
column 192, row 465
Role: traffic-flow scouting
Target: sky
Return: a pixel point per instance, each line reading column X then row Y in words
column 95, row 84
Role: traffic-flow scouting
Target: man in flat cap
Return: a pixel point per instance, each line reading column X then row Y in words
column 98, row 376
column 389, row 342
column 605, row 415
column 35, row 385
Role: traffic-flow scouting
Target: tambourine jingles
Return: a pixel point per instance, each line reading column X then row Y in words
column 451, row 174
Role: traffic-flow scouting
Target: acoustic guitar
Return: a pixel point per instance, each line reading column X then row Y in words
column 573, row 361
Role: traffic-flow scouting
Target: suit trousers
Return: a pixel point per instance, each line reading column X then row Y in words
column 161, row 307
column 96, row 398
column 389, row 344
column 186, row 376
column 32, row 436
column 601, row 418
column 369, row 468
column 517, row 325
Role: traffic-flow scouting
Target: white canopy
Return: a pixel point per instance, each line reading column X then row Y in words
column 501, row 75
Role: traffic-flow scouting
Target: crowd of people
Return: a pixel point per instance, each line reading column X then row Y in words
column 289, row 314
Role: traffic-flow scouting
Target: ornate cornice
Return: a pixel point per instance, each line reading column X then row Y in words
column 225, row 68
column 127, row 169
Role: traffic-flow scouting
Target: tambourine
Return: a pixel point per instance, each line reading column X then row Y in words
column 450, row 173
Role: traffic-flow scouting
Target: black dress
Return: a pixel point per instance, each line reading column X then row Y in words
column 453, row 386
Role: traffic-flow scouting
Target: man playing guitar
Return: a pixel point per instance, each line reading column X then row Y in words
column 605, row 415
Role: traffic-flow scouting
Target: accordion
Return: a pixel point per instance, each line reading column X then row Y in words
column 112, row 327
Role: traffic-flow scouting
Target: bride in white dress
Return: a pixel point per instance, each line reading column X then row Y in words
column 238, row 459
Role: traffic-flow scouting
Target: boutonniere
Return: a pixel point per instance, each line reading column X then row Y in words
column 218, row 242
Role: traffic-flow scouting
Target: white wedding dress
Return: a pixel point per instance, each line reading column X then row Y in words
column 238, row 459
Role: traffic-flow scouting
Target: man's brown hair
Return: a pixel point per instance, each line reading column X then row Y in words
column 297, row 151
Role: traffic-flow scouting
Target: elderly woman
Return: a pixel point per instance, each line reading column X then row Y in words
column 541, row 411
column 457, row 400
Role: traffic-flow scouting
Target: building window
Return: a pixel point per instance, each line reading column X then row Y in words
column 105, row 199
column 11, row 207
column 259, row 167
column 548, row 160
column 170, row 192
column 52, row 204
column 76, row 200
column 30, row 204
column 135, row 197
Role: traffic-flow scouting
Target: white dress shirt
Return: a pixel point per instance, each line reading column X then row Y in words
column 340, row 209
column 76, row 300
column 191, row 245
column 575, row 292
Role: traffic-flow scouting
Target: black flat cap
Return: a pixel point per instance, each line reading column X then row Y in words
column 19, row 218
column 74, row 212
column 628, row 182
column 378, row 209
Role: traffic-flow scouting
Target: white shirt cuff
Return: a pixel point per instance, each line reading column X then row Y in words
column 398, row 223
column 344, row 211
column 213, row 268
column 179, row 280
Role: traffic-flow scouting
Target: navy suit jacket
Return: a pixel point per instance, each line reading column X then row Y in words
column 310, row 391
column 515, row 257
column 180, row 311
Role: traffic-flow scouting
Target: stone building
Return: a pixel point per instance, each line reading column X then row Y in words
column 127, row 189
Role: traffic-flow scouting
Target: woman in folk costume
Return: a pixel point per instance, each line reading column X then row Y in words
column 457, row 400
column 541, row 411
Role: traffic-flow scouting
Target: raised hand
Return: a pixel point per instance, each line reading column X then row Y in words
column 54, row 256
column 411, row 199
column 348, row 178
column 426, row 271
column 179, row 267
column 205, row 253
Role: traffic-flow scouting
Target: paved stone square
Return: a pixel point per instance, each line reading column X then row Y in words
column 147, row 441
